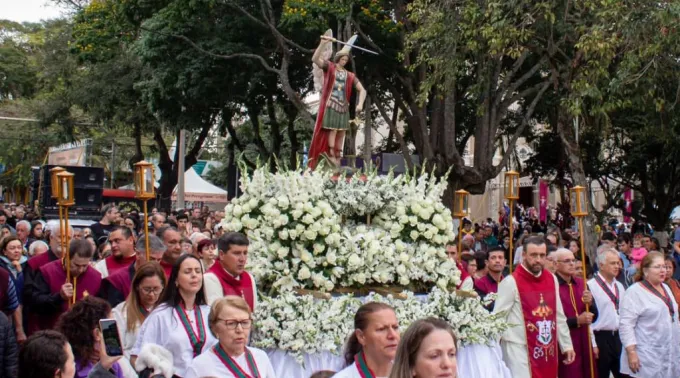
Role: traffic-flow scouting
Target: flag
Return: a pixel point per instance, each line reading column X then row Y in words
column 543, row 198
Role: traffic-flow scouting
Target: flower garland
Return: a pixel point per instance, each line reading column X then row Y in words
column 302, row 324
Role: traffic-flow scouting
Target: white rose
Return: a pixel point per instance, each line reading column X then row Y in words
column 310, row 235
column 308, row 219
column 304, row 273
column 283, row 234
column 360, row 278
column 283, row 202
column 328, row 285
column 283, row 220
column 442, row 283
column 354, row 260
column 296, row 214
column 238, row 211
column 401, row 269
column 305, row 256
column 252, row 203
column 404, row 257
column 291, row 233
column 318, row 248
column 414, row 235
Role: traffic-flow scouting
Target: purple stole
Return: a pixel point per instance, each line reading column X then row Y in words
column 572, row 303
column 122, row 280
column 55, row 276
column 243, row 287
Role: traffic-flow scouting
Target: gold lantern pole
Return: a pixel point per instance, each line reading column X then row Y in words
column 511, row 194
column 145, row 190
column 460, row 212
column 579, row 209
column 54, row 181
column 66, row 200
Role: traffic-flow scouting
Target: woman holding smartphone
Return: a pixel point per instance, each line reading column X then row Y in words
column 230, row 321
column 80, row 325
column 180, row 321
column 147, row 285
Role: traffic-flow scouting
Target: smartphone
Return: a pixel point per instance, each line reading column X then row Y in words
column 109, row 329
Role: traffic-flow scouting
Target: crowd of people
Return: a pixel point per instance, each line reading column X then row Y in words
column 187, row 310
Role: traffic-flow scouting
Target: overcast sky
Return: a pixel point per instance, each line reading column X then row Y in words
column 28, row 10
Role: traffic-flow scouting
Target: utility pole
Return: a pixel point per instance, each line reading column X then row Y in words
column 113, row 163
column 180, row 169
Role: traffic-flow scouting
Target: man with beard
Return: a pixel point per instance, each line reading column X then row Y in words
column 228, row 275
column 53, row 294
column 575, row 295
column 530, row 301
column 122, row 252
column 116, row 287
column 495, row 263
column 607, row 294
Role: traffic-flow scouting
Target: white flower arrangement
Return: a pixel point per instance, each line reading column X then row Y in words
column 294, row 220
column 302, row 324
column 311, row 230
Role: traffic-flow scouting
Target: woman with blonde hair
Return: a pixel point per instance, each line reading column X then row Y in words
column 427, row 349
column 230, row 321
column 648, row 326
column 372, row 346
column 147, row 285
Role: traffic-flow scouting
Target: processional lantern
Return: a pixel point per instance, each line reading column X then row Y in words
column 144, row 181
column 512, row 185
column 65, row 189
column 461, row 203
column 579, row 205
column 55, row 181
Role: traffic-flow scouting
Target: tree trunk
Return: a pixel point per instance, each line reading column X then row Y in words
column 573, row 152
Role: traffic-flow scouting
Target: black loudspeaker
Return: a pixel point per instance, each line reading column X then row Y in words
column 396, row 162
column 88, row 188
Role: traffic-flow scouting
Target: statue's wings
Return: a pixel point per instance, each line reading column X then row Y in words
column 317, row 71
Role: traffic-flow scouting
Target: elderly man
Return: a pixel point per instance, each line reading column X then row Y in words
column 116, row 287
column 23, row 230
column 38, row 247
column 575, row 295
column 157, row 221
column 530, row 301
column 607, row 294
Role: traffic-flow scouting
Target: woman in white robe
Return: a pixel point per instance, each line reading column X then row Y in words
column 230, row 321
column 372, row 346
column 180, row 322
column 147, row 285
column 649, row 328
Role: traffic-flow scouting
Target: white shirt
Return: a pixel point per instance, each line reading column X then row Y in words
column 213, row 288
column 508, row 301
column 163, row 327
column 128, row 338
column 646, row 323
column 208, row 364
column 468, row 284
column 608, row 318
column 101, row 267
column 350, row 371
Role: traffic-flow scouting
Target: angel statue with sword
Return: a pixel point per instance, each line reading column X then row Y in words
column 336, row 84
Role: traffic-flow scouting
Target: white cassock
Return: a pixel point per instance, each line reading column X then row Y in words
column 163, row 327
column 213, row 288
column 350, row 371
column 127, row 337
column 209, row 365
column 646, row 323
column 514, row 339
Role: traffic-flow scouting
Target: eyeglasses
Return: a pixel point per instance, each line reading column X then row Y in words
column 232, row 324
column 151, row 290
column 659, row 267
column 568, row 261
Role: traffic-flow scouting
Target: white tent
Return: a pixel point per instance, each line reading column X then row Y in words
column 196, row 189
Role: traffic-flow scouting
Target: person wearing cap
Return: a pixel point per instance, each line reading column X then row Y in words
column 228, row 275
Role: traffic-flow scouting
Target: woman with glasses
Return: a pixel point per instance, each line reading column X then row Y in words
column 147, row 286
column 649, row 327
column 179, row 323
column 230, row 321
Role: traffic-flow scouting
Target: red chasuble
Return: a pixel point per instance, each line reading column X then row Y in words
column 463, row 273
column 37, row 261
column 55, row 276
column 243, row 287
column 486, row 285
column 113, row 264
column 320, row 137
column 167, row 268
column 539, row 307
column 122, row 280
column 572, row 303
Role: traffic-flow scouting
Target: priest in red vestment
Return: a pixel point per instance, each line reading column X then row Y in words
column 116, row 287
column 173, row 243
column 495, row 263
column 31, row 268
column 574, row 296
column 228, row 276
column 529, row 300
column 122, row 252
column 53, row 294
